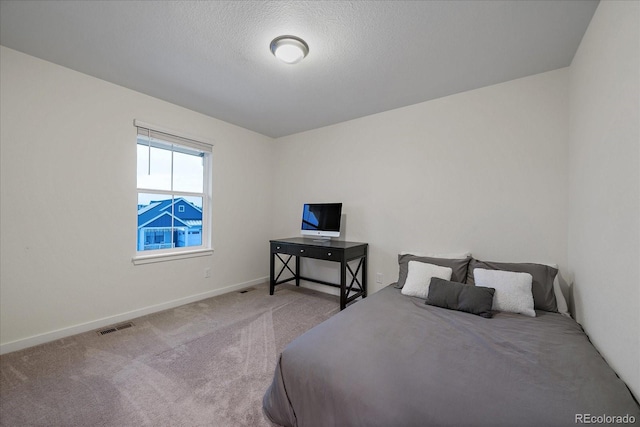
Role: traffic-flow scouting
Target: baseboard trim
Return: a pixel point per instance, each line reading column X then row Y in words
column 123, row 317
column 319, row 288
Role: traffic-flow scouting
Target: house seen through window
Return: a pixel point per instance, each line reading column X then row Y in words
column 173, row 193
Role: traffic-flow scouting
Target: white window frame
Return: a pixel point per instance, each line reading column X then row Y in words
column 197, row 143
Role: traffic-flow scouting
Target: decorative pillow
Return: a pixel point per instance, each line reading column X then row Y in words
column 458, row 296
column 561, row 302
column 542, row 284
column 419, row 278
column 513, row 290
column 457, row 265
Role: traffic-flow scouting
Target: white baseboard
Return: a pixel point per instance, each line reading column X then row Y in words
column 123, row 317
column 319, row 287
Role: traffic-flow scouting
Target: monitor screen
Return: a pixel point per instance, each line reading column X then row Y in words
column 321, row 219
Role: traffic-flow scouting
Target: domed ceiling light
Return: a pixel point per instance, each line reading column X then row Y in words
column 289, row 49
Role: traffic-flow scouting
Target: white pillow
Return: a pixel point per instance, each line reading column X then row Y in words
column 461, row 255
column 513, row 290
column 419, row 277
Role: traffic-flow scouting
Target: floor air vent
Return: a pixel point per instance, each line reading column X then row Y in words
column 115, row 328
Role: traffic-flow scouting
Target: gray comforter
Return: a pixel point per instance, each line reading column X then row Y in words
column 391, row 360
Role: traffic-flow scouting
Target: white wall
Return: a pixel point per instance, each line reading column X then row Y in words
column 604, row 185
column 481, row 171
column 68, row 209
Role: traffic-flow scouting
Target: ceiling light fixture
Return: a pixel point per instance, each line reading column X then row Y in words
column 289, row 49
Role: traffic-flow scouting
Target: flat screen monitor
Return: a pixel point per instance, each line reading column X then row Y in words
column 321, row 219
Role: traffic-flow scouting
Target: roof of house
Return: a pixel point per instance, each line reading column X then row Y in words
column 160, row 213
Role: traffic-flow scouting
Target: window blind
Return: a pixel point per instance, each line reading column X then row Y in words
column 156, row 135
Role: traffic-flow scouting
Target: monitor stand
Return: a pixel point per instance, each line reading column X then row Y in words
column 322, row 239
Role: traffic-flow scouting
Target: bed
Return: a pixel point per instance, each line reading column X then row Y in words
column 393, row 360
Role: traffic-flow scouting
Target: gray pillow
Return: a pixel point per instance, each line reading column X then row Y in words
column 458, row 267
column 458, row 296
column 541, row 287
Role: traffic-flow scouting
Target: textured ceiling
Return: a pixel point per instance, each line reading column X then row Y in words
column 365, row 57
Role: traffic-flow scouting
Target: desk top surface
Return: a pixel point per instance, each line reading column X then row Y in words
column 338, row 244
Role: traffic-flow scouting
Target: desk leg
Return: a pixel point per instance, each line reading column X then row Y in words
column 343, row 284
column 364, row 277
column 272, row 279
column 297, row 270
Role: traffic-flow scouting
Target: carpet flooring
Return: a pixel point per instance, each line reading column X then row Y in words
column 202, row 364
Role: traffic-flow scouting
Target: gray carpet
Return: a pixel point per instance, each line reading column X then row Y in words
column 203, row 364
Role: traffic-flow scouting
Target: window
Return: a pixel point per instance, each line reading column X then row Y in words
column 174, row 195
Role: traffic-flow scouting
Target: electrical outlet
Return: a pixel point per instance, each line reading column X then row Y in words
column 379, row 277
column 207, row 272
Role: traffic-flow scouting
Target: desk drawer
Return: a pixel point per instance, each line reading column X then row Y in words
column 284, row 249
column 329, row 254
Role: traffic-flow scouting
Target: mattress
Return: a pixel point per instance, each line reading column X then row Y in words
column 392, row 360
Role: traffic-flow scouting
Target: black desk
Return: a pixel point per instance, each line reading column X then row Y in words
column 332, row 250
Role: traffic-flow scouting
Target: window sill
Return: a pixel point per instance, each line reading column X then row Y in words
column 148, row 259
